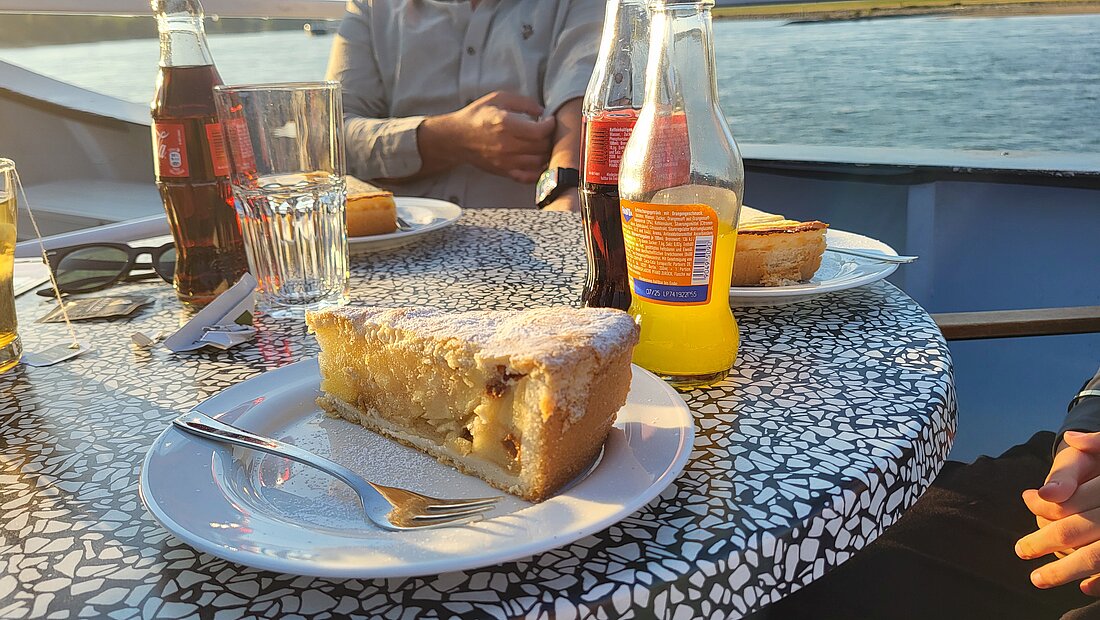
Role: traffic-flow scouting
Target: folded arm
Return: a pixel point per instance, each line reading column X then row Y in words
column 566, row 151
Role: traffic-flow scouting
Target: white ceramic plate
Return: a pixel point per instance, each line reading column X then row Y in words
column 270, row 513
column 424, row 214
column 837, row 273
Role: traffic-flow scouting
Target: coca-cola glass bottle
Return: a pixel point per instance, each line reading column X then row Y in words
column 192, row 168
column 611, row 106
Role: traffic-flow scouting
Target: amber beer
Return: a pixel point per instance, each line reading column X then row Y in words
column 10, row 349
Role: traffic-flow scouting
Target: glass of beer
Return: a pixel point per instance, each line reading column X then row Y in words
column 10, row 349
column 286, row 150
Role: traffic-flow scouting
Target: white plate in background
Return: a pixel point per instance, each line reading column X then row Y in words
column 838, row 272
column 424, row 214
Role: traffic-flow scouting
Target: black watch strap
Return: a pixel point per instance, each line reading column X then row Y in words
column 564, row 179
column 568, row 178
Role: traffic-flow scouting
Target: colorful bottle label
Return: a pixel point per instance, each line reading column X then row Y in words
column 605, row 138
column 670, row 251
column 171, row 144
column 218, row 156
column 240, row 144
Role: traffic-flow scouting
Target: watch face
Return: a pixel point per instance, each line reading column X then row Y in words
column 548, row 182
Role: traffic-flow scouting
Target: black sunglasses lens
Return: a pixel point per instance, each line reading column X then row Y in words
column 88, row 268
column 166, row 264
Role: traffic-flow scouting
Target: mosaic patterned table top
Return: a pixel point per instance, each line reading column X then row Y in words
column 837, row 416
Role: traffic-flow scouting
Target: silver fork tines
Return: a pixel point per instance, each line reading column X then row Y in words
column 392, row 508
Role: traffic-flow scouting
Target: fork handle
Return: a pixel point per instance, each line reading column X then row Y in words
column 873, row 255
column 203, row 425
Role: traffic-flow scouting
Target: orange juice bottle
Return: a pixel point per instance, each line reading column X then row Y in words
column 681, row 185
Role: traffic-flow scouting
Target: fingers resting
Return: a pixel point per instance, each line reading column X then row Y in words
column 1070, row 468
column 526, row 128
column 1072, row 532
column 1091, row 586
column 1082, row 563
column 1085, row 497
column 512, row 102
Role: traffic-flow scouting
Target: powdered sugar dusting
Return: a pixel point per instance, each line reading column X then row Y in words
column 552, row 335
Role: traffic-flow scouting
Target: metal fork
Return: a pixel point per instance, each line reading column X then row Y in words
column 873, row 255
column 392, row 508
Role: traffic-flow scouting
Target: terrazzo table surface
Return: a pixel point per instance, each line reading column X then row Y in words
column 837, row 416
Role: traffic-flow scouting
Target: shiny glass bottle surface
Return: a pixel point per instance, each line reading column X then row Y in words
column 611, row 106
column 190, row 158
column 681, row 187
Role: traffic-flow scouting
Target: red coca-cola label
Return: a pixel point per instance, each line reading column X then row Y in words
column 240, row 145
column 218, row 157
column 605, row 138
column 171, row 145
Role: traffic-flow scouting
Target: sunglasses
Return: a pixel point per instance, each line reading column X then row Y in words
column 96, row 266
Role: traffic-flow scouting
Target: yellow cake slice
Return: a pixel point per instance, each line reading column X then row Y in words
column 775, row 251
column 522, row 399
column 370, row 210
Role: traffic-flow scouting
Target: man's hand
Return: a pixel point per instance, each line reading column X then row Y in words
column 1067, row 510
column 569, row 201
column 497, row 133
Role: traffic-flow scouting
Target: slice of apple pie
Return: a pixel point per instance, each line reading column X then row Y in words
column 775, row 251
column 522, row 399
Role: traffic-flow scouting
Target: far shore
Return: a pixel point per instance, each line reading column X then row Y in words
column 873, row 9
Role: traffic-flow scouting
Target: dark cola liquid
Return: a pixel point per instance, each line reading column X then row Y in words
column 606, row 285
column 210, row 255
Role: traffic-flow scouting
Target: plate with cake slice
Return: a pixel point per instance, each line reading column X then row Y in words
column 422, row 216
column 542, row 405
column 377, row 220
column 781, row 261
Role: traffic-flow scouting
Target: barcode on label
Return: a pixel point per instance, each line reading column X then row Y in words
column 700, row 265
column 218, row 155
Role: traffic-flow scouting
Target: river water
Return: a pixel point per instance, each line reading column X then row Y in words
column 1008, row 83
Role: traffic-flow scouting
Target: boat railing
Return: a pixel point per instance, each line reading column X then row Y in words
column 1018, row 323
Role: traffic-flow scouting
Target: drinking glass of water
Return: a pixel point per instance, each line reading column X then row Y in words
column 286, row 150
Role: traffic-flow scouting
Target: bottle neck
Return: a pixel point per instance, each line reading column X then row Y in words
column 182, row 35
column 681, row 62
column 620, row 66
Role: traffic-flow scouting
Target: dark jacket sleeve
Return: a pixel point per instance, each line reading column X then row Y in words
column 1084, row 411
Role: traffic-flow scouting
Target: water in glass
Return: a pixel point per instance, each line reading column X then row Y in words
column 294, row 235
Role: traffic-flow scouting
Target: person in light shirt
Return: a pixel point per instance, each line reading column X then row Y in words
column 470, row 102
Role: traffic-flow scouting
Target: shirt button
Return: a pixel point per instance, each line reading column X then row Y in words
column 471, row 51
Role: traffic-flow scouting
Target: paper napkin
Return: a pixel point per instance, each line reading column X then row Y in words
column 223, row 323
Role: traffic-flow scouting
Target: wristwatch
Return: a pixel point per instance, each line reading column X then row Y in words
column 553, row 183
column 1091, row 389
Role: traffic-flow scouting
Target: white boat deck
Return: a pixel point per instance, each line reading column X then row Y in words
column 75, row 204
